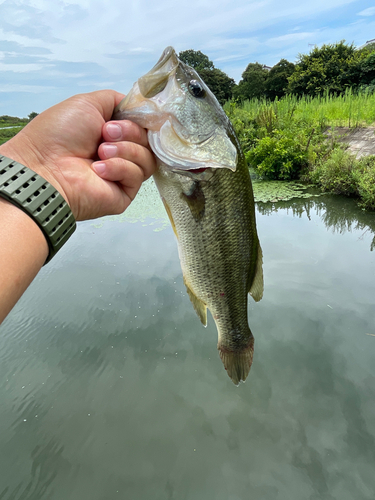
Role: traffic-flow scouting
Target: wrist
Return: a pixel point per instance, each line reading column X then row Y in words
column 23, row 251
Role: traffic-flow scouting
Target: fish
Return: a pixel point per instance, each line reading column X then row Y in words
column 205, row 185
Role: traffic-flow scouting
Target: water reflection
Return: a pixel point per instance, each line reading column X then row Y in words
column 111, row 388
column 338, row 214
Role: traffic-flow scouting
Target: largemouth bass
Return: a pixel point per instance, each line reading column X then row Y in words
column 205, row 186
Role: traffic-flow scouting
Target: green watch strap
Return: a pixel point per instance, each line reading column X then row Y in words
column 40, row 200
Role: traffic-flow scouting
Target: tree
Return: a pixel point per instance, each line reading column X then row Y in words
column 253, row 82
column 324, row 69
column 196, row 59
column 220, row 84
column 367, row 70
column 277, row 79
column 32, row 115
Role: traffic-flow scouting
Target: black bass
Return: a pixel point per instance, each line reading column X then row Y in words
column 206, row 189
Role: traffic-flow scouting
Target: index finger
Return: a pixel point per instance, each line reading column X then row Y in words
column 125, row 130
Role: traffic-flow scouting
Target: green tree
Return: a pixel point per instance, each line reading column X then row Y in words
column 277, row 79
column 324, row 69
column 32, row 115
column 220, row 84
column 196, row 59
column 253, row 83
column 367, row 70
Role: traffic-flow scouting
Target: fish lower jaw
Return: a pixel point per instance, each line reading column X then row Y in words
column 237, row 361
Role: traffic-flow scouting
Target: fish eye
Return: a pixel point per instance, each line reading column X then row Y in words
column 196, row 89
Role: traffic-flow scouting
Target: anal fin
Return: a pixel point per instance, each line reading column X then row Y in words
column 257, row 285
column 199, row 306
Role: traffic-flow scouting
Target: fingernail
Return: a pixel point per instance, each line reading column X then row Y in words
column 109, row 150
column 114, row 131
column 99, row 168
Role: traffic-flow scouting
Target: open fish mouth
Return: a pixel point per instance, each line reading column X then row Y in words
column 155, row 81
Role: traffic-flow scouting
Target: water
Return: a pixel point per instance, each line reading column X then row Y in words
column 111, row 388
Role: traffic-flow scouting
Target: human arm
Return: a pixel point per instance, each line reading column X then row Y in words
column 65, row 146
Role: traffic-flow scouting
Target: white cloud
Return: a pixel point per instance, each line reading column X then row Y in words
column 367, row 12
column 33, row 89
column 20, row 68
column 290, row 38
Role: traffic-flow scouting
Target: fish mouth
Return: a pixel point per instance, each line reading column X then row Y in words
column 155, row 81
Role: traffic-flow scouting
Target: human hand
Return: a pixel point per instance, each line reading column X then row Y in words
column 64, row 145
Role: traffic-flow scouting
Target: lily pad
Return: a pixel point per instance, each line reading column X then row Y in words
column 274, row 191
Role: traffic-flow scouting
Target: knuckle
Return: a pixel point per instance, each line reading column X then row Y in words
column 132, row 151
column 133, row 132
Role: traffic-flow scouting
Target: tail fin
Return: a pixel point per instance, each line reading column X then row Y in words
column 237, row 362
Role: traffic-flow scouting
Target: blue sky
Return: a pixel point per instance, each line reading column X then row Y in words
column 52, row 49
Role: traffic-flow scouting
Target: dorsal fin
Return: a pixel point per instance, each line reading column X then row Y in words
column 199, row 306
column 257, row 286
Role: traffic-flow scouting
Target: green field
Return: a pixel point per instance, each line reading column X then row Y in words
column 8, row 133
column 10, row 126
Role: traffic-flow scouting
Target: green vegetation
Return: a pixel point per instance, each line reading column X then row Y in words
column 10, row 121
column 8, row 133
column 286, row 140
column 11, row 125
column 277, row 79
column 253, row 83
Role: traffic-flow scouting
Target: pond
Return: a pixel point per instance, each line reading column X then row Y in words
column 110, row 387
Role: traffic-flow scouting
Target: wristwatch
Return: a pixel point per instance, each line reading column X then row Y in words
column 30, row 192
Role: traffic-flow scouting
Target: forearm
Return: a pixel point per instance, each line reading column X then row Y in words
column 23, row 251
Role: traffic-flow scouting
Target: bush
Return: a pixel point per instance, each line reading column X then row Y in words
column 343, row 174
column 278, row 157
column 364, row 177
column 335, row 174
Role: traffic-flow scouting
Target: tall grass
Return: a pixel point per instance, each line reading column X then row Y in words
column 347, row 110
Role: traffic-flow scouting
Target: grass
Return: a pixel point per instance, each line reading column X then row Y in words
column 347, row 110
column 8, row 133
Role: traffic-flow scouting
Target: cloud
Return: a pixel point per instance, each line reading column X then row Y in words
column 290, row 39
column 367, row 12
column 25, row 20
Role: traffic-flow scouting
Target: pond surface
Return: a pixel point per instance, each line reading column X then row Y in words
column 110, row 387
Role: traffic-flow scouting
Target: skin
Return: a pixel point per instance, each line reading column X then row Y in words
column 96, row 164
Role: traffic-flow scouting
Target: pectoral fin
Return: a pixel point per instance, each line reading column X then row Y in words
column 256, row 288
column 199, row 306
column 196, row 201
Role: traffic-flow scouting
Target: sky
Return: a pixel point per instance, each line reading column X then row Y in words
column 53, row 49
